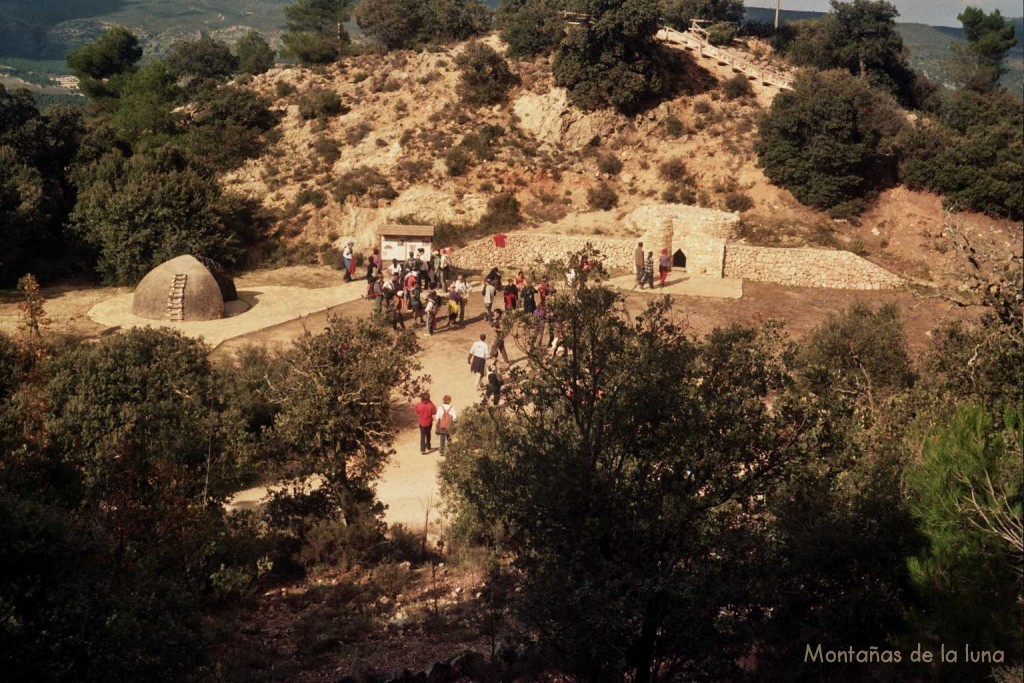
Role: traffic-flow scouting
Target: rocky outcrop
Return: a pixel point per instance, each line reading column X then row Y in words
column 806, row 268
column 551, row 119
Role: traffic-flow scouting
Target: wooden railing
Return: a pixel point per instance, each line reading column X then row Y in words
column 696, row 40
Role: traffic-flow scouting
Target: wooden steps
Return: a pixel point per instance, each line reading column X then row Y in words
column 176, row 298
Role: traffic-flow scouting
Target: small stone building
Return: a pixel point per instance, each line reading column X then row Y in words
column 694, row 236
column 184, row 288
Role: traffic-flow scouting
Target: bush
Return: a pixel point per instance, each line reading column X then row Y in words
column 486, row 76
column 613, row 60
column 457, row 162
column 315, row 197
column 673, row 170
column 674, row 127
column 255, row 56
column 502, row 213
column 609, row 164
column 406, row 24
column 829, row 140
column 283, row 89
column 679, row 194
column 321, row 104
column 602, row 197
column 972, row 154
column 679, row 13
column 721, row 33
column 361, row 182
column 736, row 87
column 738, row 202
column 327, row 149
column 531, row 28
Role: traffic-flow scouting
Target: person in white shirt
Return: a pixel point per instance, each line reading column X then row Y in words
column 489, row 292
column 462, row 287
column 477, row 360
column 445, row 269
column 446, row 415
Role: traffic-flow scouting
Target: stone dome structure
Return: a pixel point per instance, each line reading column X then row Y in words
column 184, row 288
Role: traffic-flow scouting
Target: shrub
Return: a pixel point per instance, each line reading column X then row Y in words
column 357, row 133
column 679, row 13
column 255, row 56
column 674, row 127
column 404, row 24
column 828, row 140
column 486, row 76
column 363, row 181
column 613, row 60
column 327, row 149
column 679, row 194
column 737, row 86
column 314, row 197
column 721, row 33
column 673, row 170
column 502, row 213
column 531, row 28
column 321, row 104
column 283, row 89
column 609, row 164
column 602, row 197
column 738, row 202
column 457, row 162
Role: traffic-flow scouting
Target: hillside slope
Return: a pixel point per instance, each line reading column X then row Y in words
column 391, row 158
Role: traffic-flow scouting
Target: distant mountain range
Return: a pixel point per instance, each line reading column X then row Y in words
column 47, row 29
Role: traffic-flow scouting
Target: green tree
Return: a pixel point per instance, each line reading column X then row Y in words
column 255, row 56
column 966, row 491
column 139, row 212
column 971, row 151
column 405, row 24
column 485, row 75
column 632, row 573
column 397, row 24
column 100, row 64
column 610, row 61
column 333, row 400
column 679, row 13
column 35, row 193
column 316, row 32
column 146, row 105
column 829, row 140
column 860, row 37
column 529, row 28
column 979, row 65
column 201, row 61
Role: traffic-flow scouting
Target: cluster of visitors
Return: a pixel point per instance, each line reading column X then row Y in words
column 645, row 267
column 413, row 286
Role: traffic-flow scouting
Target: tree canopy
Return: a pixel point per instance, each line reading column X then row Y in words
column 979, row 65
column 611, row 60
column 316, row 32
column 406, row 24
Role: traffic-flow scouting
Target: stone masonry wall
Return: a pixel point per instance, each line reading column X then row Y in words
column 524, row 250
column 806, row 268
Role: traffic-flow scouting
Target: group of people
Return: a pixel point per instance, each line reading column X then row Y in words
column 413, row 285
column 645, row 267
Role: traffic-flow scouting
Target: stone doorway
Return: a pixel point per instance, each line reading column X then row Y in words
column 679, row 259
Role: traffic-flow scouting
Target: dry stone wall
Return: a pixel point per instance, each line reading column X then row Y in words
column 806, row 268
column 524, row 250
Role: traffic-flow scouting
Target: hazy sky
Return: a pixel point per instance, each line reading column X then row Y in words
column 932, row 12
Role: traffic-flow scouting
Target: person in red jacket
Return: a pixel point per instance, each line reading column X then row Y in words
column 425, row 411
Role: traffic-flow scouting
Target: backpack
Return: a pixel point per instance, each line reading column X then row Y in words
column 444, row 422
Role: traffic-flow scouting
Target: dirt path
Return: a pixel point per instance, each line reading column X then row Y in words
column 408, row 485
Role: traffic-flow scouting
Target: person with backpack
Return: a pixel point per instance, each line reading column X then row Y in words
column 425, row 411
column 445, row 417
